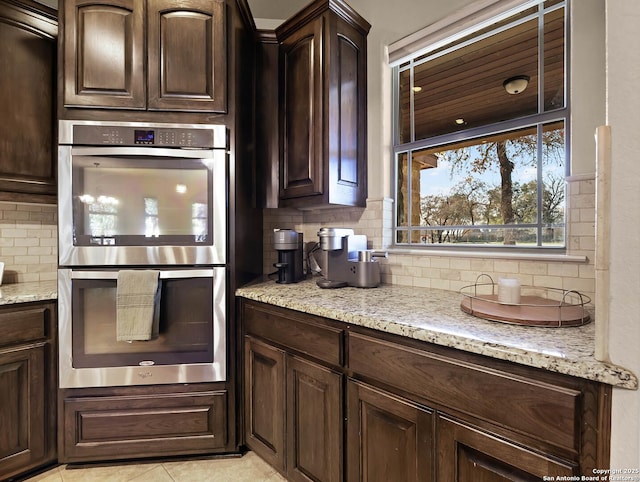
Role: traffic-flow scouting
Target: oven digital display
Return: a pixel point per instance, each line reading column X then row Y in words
column 144, row 137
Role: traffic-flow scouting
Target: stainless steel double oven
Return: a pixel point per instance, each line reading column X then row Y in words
column 145, row 196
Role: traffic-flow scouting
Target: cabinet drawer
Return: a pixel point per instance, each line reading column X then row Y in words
column 23, row 325
column 287, row 329
column 541, row 410
column 123, row 427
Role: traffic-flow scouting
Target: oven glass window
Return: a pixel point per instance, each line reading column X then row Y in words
column 185, row 332
column 142, row 201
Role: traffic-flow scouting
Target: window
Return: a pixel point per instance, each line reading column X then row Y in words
column 151, row 224
column 199, row 221
column 480, row 135
column 103, row 215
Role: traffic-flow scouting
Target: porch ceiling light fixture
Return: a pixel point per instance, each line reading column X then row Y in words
column 515, row 85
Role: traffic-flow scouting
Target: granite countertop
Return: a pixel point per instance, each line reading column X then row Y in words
column 435, row 316
column 25, row 292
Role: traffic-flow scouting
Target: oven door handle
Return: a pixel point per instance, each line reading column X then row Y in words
column 143, row 152
column 164, row 274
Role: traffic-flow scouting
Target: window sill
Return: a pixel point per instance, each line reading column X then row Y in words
column 560, row 258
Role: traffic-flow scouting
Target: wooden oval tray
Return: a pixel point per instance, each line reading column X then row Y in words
column 538, row 306
column 531, row 311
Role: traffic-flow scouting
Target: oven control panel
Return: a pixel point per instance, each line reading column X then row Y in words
column 119, row 135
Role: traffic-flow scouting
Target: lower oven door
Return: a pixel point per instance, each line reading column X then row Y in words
column 189, row 348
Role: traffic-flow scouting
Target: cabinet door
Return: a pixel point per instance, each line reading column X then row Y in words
column 22, row 410
column 347, row 117
column 264, row 401
column 388, row 438
column 301, row 169
column 466, row 454
column 314, row 422
column 27, row 104
column 187, row 55
column 104, row 61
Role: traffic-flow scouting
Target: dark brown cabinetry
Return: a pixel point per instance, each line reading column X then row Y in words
column 161, row 54
column 314, row 422
column 151, row 422
column 292, row 405
column 467, row 454
column 28, row 33
column 388, row 438
column 27, row 388
column 264, row 402
column 323, row 106
column 414, row 411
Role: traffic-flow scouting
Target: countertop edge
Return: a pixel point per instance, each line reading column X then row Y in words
column 593, row 370
column 28, row 292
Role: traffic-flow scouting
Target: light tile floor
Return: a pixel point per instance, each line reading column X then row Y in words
column 249, row 468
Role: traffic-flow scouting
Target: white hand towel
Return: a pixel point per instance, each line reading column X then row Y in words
column 137, row 305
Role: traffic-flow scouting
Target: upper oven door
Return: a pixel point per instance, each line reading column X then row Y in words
column 141, row 206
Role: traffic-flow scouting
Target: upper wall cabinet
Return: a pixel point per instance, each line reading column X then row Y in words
column 145, row 55
column 323, row 106
column 28, row 33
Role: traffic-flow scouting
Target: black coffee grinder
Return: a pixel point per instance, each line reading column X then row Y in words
column 289, row 245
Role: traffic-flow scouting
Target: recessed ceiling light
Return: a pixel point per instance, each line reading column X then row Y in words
column 417, row 88
column 460, row 121
column 181, row 188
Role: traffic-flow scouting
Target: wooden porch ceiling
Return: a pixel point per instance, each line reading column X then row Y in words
column 468, row 83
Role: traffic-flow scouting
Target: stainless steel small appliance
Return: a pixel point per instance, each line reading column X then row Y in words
column 290, row 247
column 346, row 261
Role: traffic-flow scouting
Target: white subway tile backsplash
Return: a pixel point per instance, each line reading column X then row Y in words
column 533, row 267
column 441, row 262
column 506, row 266
column 564, row 270
column 28, row 242
column 548, row 281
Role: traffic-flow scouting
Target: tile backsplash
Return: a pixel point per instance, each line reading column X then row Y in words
column 28, row 242
column 28, row 245
column 452, row 272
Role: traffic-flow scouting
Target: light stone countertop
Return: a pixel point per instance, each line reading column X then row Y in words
column 25, row 292
column 435, row 316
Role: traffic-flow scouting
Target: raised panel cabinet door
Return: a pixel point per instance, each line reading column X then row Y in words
column 301, row 97
column 187, row 55
column 347, row 70
column 22, row 410
column 466, row 454
column 314, row 422
column 264, row 401
column 27, row 104
column 388, row 438
column 104, row 58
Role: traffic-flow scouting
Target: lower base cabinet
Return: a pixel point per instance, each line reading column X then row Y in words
column 264, row 401
column 314, row 422
column 414, row 412
column 127, row 423
column 388, row 438
column 466, row 454
column 27, row 388
column 293, row 413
